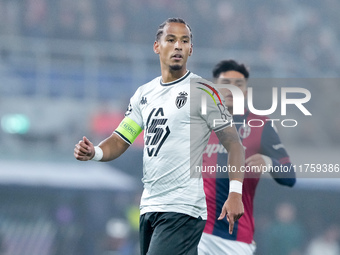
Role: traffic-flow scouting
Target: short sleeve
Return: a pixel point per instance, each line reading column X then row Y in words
column 133, row 111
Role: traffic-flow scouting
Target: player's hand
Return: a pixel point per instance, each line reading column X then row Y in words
column 84, row 150
column 233, row 208
column 256, row 160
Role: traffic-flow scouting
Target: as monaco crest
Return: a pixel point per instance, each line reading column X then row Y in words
column 181, row 99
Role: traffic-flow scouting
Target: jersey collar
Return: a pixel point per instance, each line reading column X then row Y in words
column 176, row 81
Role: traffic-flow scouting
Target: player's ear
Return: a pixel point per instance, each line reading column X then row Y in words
column 156, row 47
column 191, row 49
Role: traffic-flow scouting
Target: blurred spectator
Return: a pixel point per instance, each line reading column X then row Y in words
column 205, row 28
column 35, row 18
column 285, row 235
column 87, row 28
column 327, row 243
column 2, row 244
column 117, row 238
column 66, row 20
column 87, row 19
column 117, row 29
column 9, row 17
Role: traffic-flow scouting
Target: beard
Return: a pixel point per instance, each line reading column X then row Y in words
column 176, row 67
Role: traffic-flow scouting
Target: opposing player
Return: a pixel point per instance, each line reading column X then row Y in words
column 173, row 206
column 262, row 148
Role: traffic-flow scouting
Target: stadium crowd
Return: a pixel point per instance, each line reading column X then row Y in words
column 306, row 30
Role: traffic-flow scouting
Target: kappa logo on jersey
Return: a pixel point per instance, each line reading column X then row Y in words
column 129, row 110
column 244, row 131
column 143, row 100
column 181, row 99
column 156, row 131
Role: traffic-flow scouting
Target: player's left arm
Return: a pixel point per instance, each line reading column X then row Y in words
column 233, row 207
column 274, row 154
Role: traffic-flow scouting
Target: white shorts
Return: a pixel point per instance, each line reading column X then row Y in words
column 215, row 245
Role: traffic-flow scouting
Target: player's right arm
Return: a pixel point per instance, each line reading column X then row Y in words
column 112, row 148
column 116, row 144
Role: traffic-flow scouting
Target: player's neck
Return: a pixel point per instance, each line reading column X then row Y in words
column 171, row 75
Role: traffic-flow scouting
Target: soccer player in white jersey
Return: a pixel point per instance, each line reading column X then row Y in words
column 173, row 207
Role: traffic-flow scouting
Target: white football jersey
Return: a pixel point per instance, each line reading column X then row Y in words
column 176, row 131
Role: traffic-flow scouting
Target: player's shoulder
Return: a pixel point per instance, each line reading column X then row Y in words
column 149, row 85
column 201, row 86
column 154, row 82
column 195, row 79
column 194, row 76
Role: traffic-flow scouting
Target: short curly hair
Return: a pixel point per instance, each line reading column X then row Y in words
column 171, row 20
column 230, row 65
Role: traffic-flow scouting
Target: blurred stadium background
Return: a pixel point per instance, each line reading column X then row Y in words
column 68, row 69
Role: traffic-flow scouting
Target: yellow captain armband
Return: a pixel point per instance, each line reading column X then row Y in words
column 128, row 130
